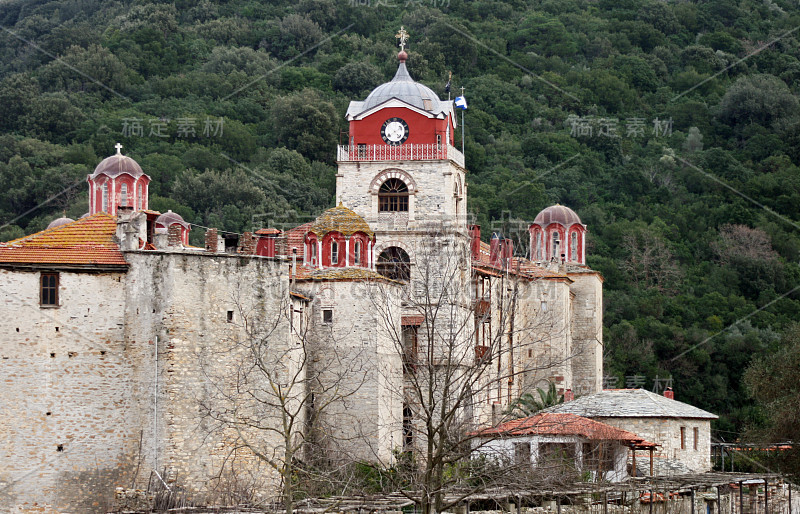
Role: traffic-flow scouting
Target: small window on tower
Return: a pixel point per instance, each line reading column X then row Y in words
column 314, row 253
column 357, row 251
column 141, row 200
column 105, row 197
column 334, row 252
column 362, row 150
column 123, row 195
column 327, row 316
column 393, row 196
column 49, row 290
column 438, row 140
column 573, row 249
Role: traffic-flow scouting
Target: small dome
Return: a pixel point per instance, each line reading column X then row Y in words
column 118, row 164
column 60, row 221
column 340, row 219
column 403, row 88
column 171, row 218
column 557, row 214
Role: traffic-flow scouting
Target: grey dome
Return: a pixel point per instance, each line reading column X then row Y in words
column 60, row 221
column 557, row 214
column 171, row 218
column 403, row 87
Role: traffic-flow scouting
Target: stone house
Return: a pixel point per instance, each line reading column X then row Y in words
column 556, row 443
column 682, row 431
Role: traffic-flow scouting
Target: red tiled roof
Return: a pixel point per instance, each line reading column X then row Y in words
column 295, row 238
column 87, row 241
column 519, row 266
column 550, row 423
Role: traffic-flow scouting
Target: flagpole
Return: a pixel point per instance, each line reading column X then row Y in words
column 462, row 126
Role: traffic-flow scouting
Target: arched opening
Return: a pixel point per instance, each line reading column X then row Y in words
column 123, row 195
column 105, row 198
column 393, row 196
column 555, row 246
column 139, row 196
column 357, row 253
column 334, row 252
column 573, row 247
column 394, row 263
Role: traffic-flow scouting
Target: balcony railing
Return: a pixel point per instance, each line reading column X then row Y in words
column 406, row 152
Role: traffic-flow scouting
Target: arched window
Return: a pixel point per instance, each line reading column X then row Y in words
column 394, row 263
column 105, row 197
column 357, row 252
column 123, row 195
column 539, row 246
column 393, row 196
column 141, row 200
column 314, row 253
column 334, row 252
column 573, row 248
column 554, row 246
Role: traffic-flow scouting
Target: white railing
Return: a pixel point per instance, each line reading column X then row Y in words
column 406, row 152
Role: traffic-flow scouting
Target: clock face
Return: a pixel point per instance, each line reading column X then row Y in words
column 394, row 131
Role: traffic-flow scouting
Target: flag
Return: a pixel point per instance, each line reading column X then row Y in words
column 461, row 103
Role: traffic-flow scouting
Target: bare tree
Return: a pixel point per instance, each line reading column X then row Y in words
column 471, row 343
column 267, row 391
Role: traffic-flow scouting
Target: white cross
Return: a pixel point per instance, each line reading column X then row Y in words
column 118, row 146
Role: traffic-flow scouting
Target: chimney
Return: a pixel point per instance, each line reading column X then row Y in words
column 265, row 244
column 569, row 395
column 174, row 235
column 508, row 252
column 494, row 249
column 247, row 244
column 212, row 240
column 475, row 242
column 669, row 393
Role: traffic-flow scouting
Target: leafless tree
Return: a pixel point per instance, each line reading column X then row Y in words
column 471, row 343
column 265, row 394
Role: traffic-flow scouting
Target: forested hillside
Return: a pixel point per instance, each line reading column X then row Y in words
column 671, row 128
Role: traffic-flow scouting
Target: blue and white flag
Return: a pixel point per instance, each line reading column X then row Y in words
column 461, row 102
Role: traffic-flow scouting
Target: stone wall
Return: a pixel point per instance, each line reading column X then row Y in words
column 667, row 433
column 215, row 317
column 69, row 422
column 587, row 332
column 356, row 366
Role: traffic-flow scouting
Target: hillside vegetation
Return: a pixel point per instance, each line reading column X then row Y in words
column 670, row 127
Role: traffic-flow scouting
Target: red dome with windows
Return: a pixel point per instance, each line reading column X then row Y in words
column 339, row 238
column 118, row 181
column 557, row 235
column 169, row 219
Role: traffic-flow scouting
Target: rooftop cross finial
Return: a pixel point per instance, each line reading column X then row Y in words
column 403, row 37
column 118, row 146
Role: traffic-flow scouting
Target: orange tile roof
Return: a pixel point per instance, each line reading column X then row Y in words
column 339, row 274
column 550, row 423
column 87, row 241
column 296, row 237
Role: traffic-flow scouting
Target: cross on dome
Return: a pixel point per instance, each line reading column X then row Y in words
column 118, row 146
column 402, row 35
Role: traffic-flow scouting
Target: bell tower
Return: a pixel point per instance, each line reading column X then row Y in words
column 399, row 169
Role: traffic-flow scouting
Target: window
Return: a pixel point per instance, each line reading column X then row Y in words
column 522, row 454
column 555, row 245
column 327, row 316
column 313, row 252
column 357, row 252
column 334, row 252
column 556, row 455
column 438, row 140
column 141, row 200
column 696, row 437
column 539, row 246
column 105, row 198
column 123, row 195
column 683, row 438
column 48, row 293
column 573, row 249
column 230, row 316
column 394, row 263
column 393, row 196
column 362, row 150
column 410, row 348
column 408, row 428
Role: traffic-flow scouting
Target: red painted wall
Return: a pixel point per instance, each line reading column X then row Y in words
column 421, row 130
